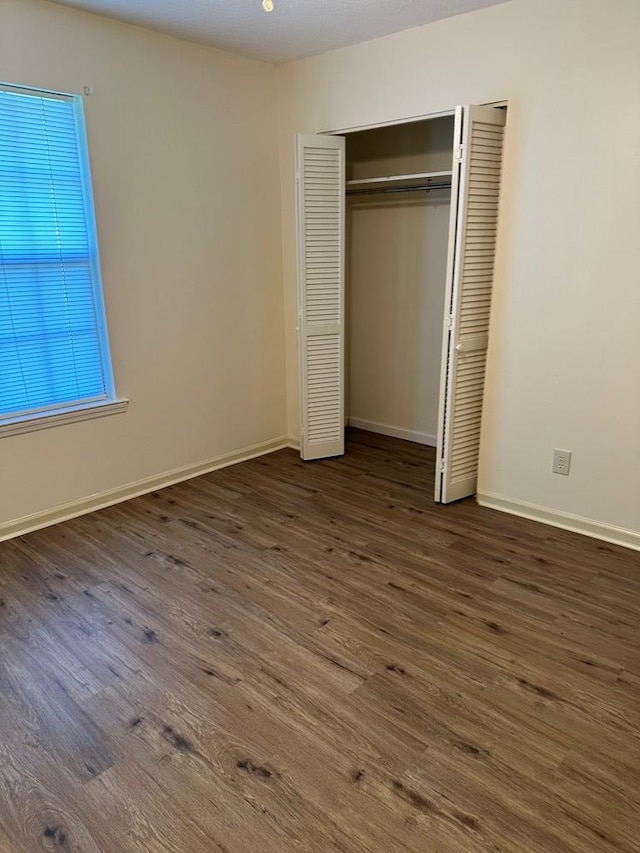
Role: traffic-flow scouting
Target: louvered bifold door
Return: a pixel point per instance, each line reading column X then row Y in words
column 320, row 214
column 476, row 190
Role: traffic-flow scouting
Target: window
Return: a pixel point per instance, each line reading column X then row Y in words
column 54, row 350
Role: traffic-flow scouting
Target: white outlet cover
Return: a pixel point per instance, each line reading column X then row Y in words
column 561, row 462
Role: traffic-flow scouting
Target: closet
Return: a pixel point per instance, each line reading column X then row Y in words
column 396, row 241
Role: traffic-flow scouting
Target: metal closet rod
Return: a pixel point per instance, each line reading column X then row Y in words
column 379, row 190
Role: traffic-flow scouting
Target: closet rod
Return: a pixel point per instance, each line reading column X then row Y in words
column 380, row 190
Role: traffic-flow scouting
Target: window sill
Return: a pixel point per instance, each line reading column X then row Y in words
column 59, row 417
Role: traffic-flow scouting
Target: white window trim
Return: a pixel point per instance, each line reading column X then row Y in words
column 59, row 417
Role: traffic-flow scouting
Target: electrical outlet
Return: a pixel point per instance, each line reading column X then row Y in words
column 561, row 462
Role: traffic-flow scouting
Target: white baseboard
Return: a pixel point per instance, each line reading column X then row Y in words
column 293, row 442
column 565, row 520
column 64, row 512
column 394, row 432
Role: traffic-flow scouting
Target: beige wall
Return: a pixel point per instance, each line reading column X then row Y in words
column 565, row 348
column 185, row 170
column 185, row 167
column 396, row 269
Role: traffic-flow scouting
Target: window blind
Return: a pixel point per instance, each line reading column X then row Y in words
column 53, row 341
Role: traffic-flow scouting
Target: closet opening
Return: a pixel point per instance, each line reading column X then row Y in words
column 398, row 206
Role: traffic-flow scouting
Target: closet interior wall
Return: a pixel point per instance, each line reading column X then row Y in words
column 396, row 256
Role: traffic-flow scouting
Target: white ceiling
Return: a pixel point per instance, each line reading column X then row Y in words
column 294, row 30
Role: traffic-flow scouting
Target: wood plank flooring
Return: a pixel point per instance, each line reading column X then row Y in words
column 283, row 657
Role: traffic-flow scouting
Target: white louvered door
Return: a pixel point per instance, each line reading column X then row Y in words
column 478, row 142
column 320, row 215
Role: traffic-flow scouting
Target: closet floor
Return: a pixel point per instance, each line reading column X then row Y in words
column 284, row 656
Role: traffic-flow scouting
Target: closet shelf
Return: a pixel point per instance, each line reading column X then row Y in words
column 398, row 179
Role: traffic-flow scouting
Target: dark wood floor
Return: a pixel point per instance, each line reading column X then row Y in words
column 283, row 656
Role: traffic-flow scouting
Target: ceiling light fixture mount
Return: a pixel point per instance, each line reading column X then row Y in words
column 267, row 5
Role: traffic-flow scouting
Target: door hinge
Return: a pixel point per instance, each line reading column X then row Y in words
column 450, row 322
column 441, row 466
column 458, row 156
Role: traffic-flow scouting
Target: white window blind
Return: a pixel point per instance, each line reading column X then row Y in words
column 54, row 351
